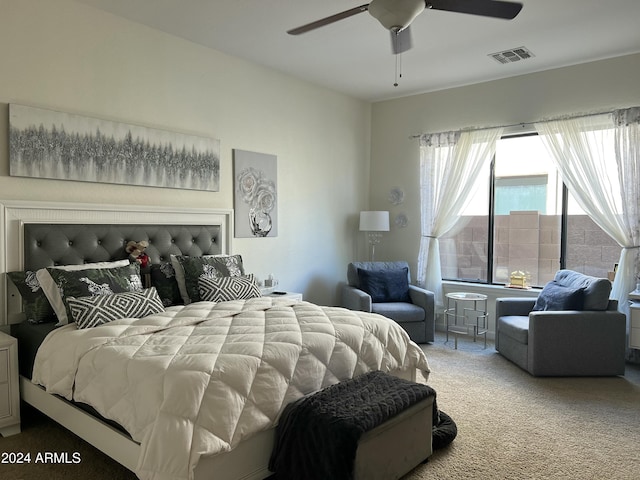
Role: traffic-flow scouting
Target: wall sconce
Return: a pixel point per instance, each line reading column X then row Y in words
column 373, row 223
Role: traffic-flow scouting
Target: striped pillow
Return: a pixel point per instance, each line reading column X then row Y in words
column 223, row 289
column 96, row 310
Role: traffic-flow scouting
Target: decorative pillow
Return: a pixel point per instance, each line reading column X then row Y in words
column 190, row 269
column 386, row 285
column 596, row 290
column 176, row 263
column 35, row 305
column 224, row 289
column 96, row 310
column 50, row 288
column 100, row 281
column 163, row 278
column 558, row 297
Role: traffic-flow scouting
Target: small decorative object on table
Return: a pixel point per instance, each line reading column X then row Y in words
column 519, row 279
column 270, row 281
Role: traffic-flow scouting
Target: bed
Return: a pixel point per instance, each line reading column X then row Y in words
column 193, row 421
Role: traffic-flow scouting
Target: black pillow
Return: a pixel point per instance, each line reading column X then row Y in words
column 386, row 285
column 555, row 296
column 35, row 304
column 163, row 278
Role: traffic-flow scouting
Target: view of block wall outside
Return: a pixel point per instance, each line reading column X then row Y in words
column 529, row 242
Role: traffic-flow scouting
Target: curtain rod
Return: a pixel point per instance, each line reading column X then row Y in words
column 474, row 129
column 528, row 124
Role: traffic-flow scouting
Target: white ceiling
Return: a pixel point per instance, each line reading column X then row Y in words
column 354, row 55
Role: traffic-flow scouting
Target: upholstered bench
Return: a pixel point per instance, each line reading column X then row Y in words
column 375, row 426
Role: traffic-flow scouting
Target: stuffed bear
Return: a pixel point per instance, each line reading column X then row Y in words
column 136, row 252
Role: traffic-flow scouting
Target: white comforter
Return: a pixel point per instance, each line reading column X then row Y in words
column 197, row 380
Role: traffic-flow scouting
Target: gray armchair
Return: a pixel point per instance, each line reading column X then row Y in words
column 416, row 314
column 585, row 342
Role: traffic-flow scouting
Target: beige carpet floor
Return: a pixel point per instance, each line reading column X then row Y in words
column 510, row 426
column 514, row 426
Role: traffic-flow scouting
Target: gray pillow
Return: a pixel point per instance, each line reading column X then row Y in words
column 596, row 290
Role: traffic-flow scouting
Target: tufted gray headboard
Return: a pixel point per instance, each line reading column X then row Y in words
column 40, row 234
column 46, row 245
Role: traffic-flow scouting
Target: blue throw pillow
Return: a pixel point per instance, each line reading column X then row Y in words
column 387, row 285
column 555, row 296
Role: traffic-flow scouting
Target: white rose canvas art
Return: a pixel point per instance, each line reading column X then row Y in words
column 255, row 194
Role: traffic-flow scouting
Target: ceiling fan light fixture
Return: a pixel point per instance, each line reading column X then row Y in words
column 396, row 14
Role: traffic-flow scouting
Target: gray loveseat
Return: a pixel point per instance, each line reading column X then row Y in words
column 415, row 313
column 587, row 339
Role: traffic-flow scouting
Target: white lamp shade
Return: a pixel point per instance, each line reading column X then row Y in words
column 374, row 221
column 396, row 13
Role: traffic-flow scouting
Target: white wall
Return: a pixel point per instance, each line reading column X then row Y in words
column 597, row 86
column 65, row 56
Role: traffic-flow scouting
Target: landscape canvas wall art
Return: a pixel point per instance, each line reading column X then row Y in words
column 48, row 144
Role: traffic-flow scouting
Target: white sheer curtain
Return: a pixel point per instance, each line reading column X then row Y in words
column 599, row 161
column 449, row 166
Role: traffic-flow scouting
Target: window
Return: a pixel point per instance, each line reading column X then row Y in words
column 527, row 192
column 521, row 218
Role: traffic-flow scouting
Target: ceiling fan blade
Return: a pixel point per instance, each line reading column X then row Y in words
column 486, row 8
column 326, row 21
column 401, row 40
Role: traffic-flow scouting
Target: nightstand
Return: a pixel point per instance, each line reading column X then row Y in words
column 287, row 295
column 634, row 326
column 9, row 390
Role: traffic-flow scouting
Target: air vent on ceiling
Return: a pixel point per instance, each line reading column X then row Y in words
column 512, row 55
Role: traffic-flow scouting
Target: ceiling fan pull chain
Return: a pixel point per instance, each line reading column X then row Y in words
column 395, row 84
column 398, row 68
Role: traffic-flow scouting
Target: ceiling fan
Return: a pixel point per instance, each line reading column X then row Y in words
column 397, row 15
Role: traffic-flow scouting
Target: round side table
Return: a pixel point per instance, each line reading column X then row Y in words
column 466, row 314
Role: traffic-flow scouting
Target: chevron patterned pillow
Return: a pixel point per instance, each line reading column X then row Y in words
column 96, row 310
column 223, row 289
